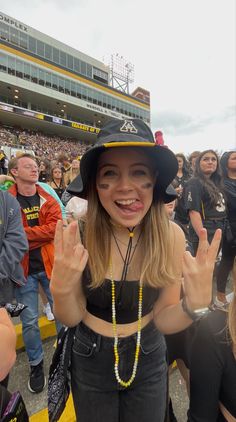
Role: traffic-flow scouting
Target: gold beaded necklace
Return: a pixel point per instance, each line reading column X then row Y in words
column 114, row 325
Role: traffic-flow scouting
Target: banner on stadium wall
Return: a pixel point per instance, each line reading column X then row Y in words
column 103, row 110
column 50, row 119
column 6, row 108
column 85, row 128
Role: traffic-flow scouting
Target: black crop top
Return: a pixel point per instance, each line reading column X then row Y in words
column 99, row 299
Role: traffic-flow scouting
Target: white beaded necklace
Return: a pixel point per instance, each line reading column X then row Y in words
column 114, row 324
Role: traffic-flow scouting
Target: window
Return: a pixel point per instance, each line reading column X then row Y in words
column 41, row 77
column 77, row 65
column 23, row 104
column 3, row 99
column 11, row 65
column 4, row 32
column 61, row 85
column 73, row 89
column 95, row 97
column 24, row 40
column 14, row 36
column 34, row 74
column 62, row 58
column 84, row 93
column 90, row 95
column 114, row 104
column 26, row 71
column 32, row 44
column 83, row 68
column 99, row 99
column 48, row 52
column 48, row 78
column 67, row 87
column 104, row 100
column 109, row 103
column 55, row 55
column 89, row 70
column 3, row 63
column 70, row 62
column 19, row 69
column 55, row 83
column 40, row 48
column 78, row 91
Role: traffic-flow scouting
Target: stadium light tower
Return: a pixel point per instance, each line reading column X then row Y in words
column 122, row 72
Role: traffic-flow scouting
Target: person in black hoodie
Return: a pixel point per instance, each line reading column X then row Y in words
column 228, row 165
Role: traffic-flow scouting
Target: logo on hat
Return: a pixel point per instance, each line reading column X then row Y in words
column 128, row 126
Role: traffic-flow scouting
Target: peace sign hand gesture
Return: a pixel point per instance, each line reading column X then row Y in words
column 198, row 271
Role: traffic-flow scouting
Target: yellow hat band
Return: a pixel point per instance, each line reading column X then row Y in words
column 128, row 144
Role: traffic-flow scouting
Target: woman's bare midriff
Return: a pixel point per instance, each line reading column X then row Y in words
column 106, row 329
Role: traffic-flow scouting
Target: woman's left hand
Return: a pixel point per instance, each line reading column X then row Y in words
column 198, row 271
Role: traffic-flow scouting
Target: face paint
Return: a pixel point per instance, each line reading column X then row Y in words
column 103, row 186
column 147, row 185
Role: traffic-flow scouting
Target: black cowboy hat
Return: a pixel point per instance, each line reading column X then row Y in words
column 129, row 133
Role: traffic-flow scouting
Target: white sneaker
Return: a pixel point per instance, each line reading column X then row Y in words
column 230, row 297
column 48, row 312
column 219, row 304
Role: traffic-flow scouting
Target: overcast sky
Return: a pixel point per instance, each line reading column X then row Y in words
column 183, row 52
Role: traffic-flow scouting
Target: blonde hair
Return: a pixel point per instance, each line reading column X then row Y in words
column 156, row 269
column 73, row 173
column 232, row 313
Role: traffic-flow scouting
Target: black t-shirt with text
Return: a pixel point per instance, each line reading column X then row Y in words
column 31, row 206
column 197, row 199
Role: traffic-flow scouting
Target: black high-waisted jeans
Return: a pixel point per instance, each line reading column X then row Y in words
column 96, row 394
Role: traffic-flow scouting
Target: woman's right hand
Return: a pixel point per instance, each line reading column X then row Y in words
column 70, row 259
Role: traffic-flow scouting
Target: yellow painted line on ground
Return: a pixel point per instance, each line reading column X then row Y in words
column 47, row 329
column 67, row 416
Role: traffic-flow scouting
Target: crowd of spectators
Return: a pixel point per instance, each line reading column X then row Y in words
column 42, row 145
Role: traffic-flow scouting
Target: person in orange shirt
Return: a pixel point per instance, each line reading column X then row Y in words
column 40, row 213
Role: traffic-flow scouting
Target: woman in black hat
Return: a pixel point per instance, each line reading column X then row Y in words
column 120, row 283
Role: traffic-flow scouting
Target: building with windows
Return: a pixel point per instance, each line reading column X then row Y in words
column 49, row 86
